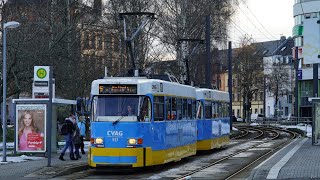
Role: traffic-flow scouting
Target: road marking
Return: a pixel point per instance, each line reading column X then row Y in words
column 274, row 171
column 261, row 164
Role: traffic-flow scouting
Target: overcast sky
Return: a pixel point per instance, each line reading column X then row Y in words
column 276, row 16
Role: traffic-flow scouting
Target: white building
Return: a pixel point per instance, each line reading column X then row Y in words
column 306, row 33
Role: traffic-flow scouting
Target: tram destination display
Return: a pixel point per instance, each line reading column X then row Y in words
column 117, row 89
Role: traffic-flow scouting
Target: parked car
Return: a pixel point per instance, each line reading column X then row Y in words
column 256, row 117
column 239, row 119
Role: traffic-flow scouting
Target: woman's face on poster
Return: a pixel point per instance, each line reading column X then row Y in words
column 27, row 119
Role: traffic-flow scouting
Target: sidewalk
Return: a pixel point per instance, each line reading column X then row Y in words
column 37, row 169
column 298, row 160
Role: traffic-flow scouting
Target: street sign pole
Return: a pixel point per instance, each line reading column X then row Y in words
column 49, row 119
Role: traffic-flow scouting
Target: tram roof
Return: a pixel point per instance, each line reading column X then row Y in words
column 211, row 94
column 147, row 86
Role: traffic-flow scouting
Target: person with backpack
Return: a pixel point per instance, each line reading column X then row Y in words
column 68, row 129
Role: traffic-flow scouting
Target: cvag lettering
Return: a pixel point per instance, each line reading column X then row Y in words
column 114, row 133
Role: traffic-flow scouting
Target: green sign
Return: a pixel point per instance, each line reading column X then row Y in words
column 41, row 73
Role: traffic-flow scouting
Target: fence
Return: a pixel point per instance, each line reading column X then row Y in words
column 291, row 121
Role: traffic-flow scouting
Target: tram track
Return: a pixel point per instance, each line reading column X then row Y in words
column 231, row 175
column 267, row 153
column 201, row 164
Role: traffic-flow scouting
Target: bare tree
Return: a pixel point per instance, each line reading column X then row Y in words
column 248, row 72
column 278, row 82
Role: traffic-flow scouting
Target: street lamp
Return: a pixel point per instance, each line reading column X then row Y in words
column 11, row 24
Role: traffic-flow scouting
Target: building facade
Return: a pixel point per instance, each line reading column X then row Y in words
column 306, row 38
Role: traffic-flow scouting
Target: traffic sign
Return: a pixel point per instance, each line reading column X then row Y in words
column 41, row 73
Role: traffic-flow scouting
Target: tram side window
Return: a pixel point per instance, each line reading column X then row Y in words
column 174, row 109
column 194, row 109
column 179, row 108
column 168, row 108
column 225, row 109
column 215, row 110
column 158, row 105
column 189, row 116
column 220, row 109
column 184, row 108
column 208, row 110
column 199, row 110
column 145, row 114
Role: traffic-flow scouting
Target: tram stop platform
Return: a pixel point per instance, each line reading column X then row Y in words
column 298, row 160
column 37, row 169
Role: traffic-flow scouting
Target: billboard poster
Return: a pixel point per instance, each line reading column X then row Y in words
column 30, row 128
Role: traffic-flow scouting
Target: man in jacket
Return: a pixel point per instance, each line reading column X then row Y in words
column 70, row 121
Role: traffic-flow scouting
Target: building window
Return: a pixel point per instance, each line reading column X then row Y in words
column 116, row 45
column 307, row 15
column 290, row 98
column 298, row 19
column 298, row 41
column 261, row 111
column 86, row 39
column 261, row 96
column 99, row 41
column 238, row 113
column 255, row 111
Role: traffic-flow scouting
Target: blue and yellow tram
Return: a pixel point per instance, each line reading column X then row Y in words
column 213, row 120
column 139, row 122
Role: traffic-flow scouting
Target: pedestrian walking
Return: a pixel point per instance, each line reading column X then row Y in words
column 82, row 127
column 69, row 128
column 77, row 142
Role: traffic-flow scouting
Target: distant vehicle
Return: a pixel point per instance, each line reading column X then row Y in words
column 256, row 117
column 239, row 119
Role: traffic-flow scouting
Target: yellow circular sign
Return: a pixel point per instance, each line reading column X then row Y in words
column 41, row 73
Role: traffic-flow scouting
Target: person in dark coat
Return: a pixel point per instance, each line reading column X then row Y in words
column 70, row 121
column 76, row 140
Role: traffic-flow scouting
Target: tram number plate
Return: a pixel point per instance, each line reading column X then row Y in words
column 115, row 139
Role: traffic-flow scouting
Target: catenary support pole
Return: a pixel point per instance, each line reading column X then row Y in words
column 208, row 50
column 230, row 81
column 49, row 115
column 296, row 109
column 4, row 95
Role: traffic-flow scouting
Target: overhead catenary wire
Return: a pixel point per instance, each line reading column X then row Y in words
column 254, row 24
column 257, row 19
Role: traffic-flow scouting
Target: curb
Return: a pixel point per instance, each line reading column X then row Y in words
column 72, row 169
column 56, row 171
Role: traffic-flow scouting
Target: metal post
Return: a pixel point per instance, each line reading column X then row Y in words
column 315, row 80
column 15, row 130
column 208, row 50
column 49, row 119
column 230, row 81
column 264, row 96
column 296, row 109
column 4, row 102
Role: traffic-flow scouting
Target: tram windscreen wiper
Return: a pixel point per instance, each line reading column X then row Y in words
column 116, row 121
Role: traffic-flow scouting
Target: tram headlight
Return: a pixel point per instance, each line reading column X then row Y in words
column 98, row 141
column 134, row 141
